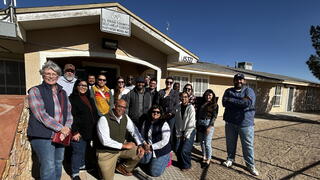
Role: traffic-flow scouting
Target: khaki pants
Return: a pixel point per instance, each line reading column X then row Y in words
column 108, row 161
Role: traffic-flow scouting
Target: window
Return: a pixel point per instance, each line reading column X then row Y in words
column 183, row 80
column 200, row 85
column 277, row 96
column 12, row 77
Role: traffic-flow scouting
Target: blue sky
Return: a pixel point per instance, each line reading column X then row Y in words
column 272, row 34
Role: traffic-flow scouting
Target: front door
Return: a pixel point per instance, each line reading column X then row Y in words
column 290, row 99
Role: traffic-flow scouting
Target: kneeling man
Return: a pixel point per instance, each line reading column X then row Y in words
column 111, row 130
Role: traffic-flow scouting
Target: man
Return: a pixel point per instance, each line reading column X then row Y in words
column 139, row 102
column 91, row 80
column 176, row 87
column 101, row 95
column 239, row 114
column 147, row 79
column 68, row 79
column 130, row 83
column 153, row 90
column 111, row 130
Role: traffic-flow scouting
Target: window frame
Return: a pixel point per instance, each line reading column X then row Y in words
column 202, row 89
column 277, row 96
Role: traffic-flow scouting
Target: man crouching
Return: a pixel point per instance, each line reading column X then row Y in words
column 111, row 130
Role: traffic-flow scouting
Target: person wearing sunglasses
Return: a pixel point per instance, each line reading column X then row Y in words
column 185, row 132
column 192, row 98
column 68, row 79
column 119, row 91
column 130, row 82
column 168, row 99
column 156, row 133
column 85, row 118
column 101, row 95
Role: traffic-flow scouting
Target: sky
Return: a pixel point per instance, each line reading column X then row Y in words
column 271, row 34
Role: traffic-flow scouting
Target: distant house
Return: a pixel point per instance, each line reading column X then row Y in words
column 77, row 34
column 275, row 93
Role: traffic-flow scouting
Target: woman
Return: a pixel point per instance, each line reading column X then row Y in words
column 185, row 131
column 168, row 99
column 156, row 133
column 188, row 88
column 207, row 114
column 50, row 112
column 119, row 91
column 101, row 95
column 85, row 117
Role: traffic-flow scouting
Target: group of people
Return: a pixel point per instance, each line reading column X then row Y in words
column 133, row 123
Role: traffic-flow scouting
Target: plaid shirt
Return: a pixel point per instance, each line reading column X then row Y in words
column 37, row 107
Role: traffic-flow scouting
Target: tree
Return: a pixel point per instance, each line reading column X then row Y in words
column 314, row 60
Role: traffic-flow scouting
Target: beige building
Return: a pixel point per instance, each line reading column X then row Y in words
column 108, row 37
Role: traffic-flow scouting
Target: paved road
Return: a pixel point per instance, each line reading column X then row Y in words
column 287, row 146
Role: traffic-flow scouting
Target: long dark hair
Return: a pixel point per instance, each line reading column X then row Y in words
column 209, row 91
column 75, row 90
column 116, row 89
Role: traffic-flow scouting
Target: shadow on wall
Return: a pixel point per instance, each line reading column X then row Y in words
column 263, row 103
column 306, row 100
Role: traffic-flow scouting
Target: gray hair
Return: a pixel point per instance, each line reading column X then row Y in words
column 51, row 65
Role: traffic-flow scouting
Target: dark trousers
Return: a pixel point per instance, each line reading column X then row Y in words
column 183, row 150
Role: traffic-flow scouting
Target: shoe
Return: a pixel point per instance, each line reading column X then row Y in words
column 253, row 171
column 82, row 168
column 185, row 170
column 227, row 163
column 122, row 170
column 76, row 178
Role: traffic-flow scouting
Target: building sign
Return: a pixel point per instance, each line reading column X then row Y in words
column 115, row 22
column 8, row 30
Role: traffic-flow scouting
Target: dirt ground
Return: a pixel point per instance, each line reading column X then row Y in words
column 287, row 146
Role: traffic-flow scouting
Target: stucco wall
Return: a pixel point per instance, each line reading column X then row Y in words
column 86, row 38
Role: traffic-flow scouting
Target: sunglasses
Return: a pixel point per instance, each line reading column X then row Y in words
column 69, row 70
column 169, row 82
column 188, row 89
column 121, row 82
column 102, row 80
column 156, row 112
column 82, row 85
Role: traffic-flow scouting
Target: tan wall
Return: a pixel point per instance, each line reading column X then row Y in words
column 86, row 38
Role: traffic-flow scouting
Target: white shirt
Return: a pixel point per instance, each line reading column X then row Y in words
column 103, row 132
column 66, row 85
column 160, row 144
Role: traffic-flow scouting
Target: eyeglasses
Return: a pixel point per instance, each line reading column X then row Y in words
column 119, row 106
column 83, row 86
column 102, row 80
column 121, row 82
column 188, row 89
column 69, row 70
column 169, row 82
column 51, row 75
column 156, row 112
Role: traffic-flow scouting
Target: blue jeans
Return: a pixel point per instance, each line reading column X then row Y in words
column 246, row 137
column 156, row 166
column 78, row 156
column 183, row 151
column 50, row 157
column 205, row 142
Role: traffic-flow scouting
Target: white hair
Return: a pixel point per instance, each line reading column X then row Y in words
column 50, row 65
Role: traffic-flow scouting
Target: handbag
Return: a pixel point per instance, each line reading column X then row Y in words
column 56, row 135
column 65, row 141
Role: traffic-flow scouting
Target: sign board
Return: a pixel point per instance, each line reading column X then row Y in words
column 8, row 30
column 115, row 22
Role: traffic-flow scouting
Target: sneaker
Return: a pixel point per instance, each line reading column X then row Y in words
column 253, row 171
column 227, row 163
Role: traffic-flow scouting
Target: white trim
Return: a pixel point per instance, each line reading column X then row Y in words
column 44, row 55
column 275, row 95
column 293, row 98
column 205, row 73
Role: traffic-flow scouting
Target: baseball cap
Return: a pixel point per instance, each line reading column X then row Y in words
column 69, row 66
column 140, row 80
column 238, row 76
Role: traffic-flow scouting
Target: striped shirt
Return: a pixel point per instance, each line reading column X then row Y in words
column 37, row 107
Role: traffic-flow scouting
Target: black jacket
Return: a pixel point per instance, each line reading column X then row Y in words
column 84, row 121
